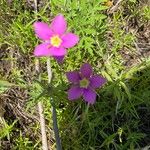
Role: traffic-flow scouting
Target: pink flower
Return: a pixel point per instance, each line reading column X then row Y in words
column 55, row 39
column 84, row 84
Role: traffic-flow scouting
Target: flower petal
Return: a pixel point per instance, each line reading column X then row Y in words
column 89, row 96
column 97, row 81
column 69, row 40
column 73, row 76
column 42, row 50
column 42, row 30
column 59, row 59
column 54, row 51
column 59, row 24
column 86, row 70
column 74, row 92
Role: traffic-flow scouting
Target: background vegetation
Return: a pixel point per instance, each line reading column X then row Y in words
column 114, row 39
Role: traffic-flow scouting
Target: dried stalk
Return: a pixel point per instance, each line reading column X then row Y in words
column 42, row 119
column 115, row 7
column 40, row 107
column 54, row 113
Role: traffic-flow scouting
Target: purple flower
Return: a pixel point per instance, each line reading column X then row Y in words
column 55, row 38
column 84, row 84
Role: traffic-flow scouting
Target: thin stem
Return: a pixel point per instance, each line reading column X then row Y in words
column 54, row 112
column 40, row 106
column 35, row 6
column 49, row 71
column 40, row 109
column 42, row 124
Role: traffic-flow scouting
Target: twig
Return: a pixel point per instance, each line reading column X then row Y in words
column 42, row 119
column 40, row 107
column 42, row 124
column 115, row 7
column 35, row 5
column 54, row 113
column 49, row 71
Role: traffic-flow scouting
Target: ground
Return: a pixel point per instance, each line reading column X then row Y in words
column 114, row 39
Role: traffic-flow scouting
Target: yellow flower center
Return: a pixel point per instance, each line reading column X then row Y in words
column 55, row 41
column 84, row 83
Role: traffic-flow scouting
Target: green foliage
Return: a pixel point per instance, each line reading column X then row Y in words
column 114, row 122
column 85, row 18
column 20, row 33
column 4, row 85
column 133, row 1
column 5, row 129
column 146, row 12
column 24, row 143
